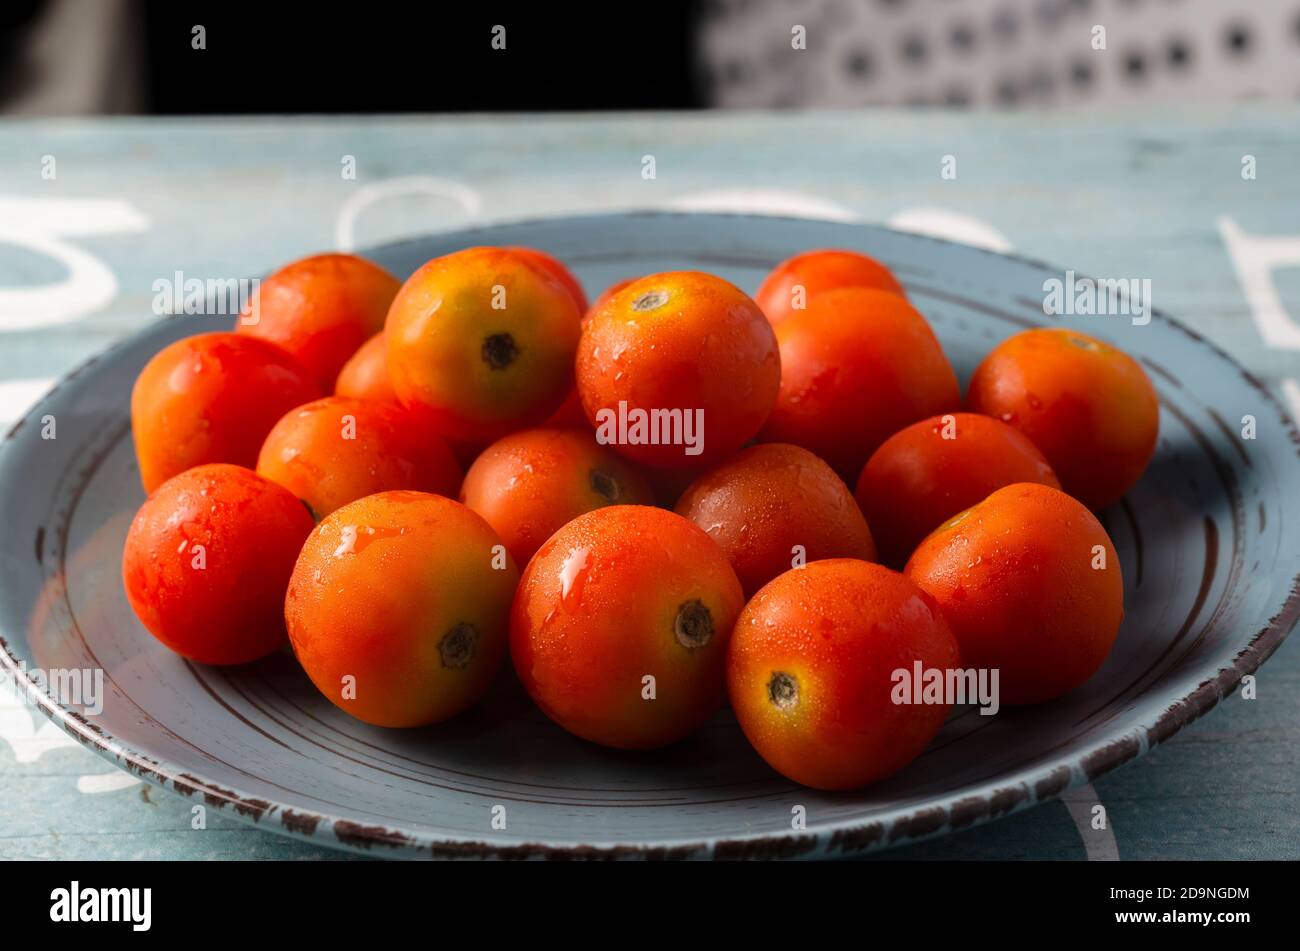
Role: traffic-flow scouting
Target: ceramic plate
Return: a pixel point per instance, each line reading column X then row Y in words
column 1209, row 569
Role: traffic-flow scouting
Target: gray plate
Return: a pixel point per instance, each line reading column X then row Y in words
column 1209, row 570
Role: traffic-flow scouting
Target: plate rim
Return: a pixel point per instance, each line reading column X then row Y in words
column 986, row 802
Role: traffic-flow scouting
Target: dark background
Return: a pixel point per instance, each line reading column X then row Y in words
column 409, row 57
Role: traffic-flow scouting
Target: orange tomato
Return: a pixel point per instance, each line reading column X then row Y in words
column 211, row 398
column 608, row 293
column 530, row 483
column 321, row 309
column 483, row 341
column 620, row 626
column 856, row 367
column 365, row 375
column 677, row 370
column 1031, row 584
column 794, row 282
column 813, row 667
column 336, row 450
column 207, row 562
column 398, row 608
column 925, row 474
column 1088, row 406
column 772, row 502
column 558, row 270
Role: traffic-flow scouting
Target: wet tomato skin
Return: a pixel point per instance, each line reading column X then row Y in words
column 811, row 672
column 1031, row 584
column 207, row 561
column 616, row 596
column 684, row 342
column 1087, row 405
column 321, row 309
column 211, row 398
column 404, row 597
column 530, row 483
column 856, row 367
column 926, row 473
column 336, row 450
column 483, row 342
column 815, row 272
column 766, row 500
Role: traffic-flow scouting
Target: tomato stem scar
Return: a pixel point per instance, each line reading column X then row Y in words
column 783, row 691
column 499, row 351
column 694, row 624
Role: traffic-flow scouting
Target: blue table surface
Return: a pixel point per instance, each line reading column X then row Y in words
column 1204, row 201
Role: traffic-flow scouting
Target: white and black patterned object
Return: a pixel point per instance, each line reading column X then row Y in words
column 995, row 52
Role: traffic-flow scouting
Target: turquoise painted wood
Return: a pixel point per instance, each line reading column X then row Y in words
column 1141, row 193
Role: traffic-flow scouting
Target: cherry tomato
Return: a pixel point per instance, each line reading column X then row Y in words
column 321, row 309
column 211, row 398
column 365, row 375
column 856, row 367
column 773, row 506
column 1031, row 584
column 558, row 270
column 207, row 562
column 678, row 370
column 1088, row 406
column 530, row 483
column 797, row 280
column 619, row 629
column 925, row 474
column 483, row 341
column 813, row 667
column 398, row 608
column 336, row 450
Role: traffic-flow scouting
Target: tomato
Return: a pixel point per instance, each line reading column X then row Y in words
column 398, row 608
column 483, row 341
column 813, row 668
column 321, row 309
column 335, row 450
column 211, row 398
column 856, row 367
column 620, row 626
column 797, row 280
column 678, row 370
column 771, row 503
column 558, row 270
column 207, row 561
column 570, row 415
column 530, row 483
column 1088, row 406
column 1031, row 584
column 928, row 472
column 608, row 293
column 365, row 375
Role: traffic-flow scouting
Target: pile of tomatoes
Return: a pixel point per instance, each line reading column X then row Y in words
column 677, row 496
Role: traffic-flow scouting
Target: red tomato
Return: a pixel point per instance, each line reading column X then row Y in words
column 793, row 283
column 619, row 629
column 211, row 398
column 813, row 668
column 207, row 562
column 925, row 474
column 856, row 367
column 321, row 309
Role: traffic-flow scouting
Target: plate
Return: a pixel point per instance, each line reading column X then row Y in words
column 1209, row 571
